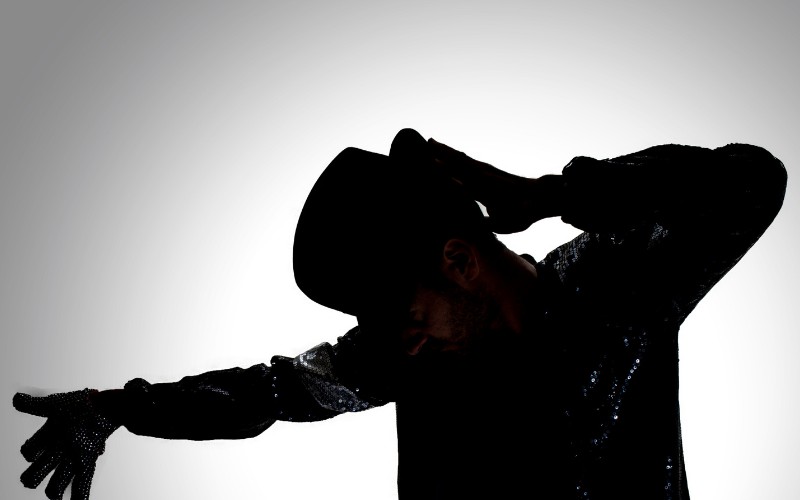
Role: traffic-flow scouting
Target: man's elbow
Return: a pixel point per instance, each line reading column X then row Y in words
column 766, row 175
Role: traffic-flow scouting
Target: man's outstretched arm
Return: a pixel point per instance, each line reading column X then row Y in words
column 235, row 403
column 241, row 403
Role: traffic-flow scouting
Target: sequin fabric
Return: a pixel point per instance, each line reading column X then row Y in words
column 68, row 444
column 586, row 405
column 316, row 370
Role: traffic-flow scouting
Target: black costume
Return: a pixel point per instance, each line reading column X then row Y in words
column 586, row 406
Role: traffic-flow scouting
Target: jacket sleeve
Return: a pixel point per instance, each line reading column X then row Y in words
column 664, row 225
column 241, row 403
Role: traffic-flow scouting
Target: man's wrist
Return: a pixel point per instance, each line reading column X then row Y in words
column 110, row 403
column 549, row 195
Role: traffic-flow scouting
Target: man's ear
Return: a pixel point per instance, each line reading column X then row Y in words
column 460, row 262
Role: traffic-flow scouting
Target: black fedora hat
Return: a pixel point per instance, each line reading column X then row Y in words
column 370, row 222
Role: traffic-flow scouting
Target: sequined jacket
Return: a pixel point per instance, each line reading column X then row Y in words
column 587, row 406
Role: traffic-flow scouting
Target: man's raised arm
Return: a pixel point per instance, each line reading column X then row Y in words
column 665, row 223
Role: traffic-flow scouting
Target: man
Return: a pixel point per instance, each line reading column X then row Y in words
column 555, row 378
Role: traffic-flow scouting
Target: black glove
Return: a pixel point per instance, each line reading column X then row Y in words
column 68, row 443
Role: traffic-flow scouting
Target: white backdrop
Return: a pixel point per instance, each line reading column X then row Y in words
column 154, row 157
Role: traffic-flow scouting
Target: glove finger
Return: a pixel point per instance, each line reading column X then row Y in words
column 83, row 480
column 28, row 404
column 60, row 480
column 40, row 468
column 32, row 405
column 52, row 404
column 36, row 444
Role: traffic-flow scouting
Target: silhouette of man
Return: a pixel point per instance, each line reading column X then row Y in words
column 555, row 378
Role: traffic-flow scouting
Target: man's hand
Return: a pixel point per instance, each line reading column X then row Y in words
column 68, row 443
column 512, row 202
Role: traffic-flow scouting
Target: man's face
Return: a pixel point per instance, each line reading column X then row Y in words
column 446, row 319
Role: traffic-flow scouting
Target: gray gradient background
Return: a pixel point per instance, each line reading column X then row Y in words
column 154, row 159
